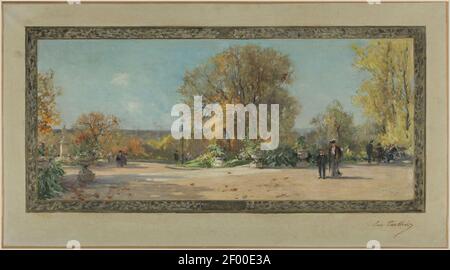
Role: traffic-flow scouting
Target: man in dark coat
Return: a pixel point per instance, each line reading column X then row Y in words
column 334, row 157
column 369, row 151
column 379, row 151
column 120, row 159
column 321, row 161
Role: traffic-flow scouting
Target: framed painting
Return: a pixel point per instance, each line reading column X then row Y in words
column 159, row 114
column 103, row 142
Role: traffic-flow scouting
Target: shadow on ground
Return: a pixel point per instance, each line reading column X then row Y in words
column 138, row 188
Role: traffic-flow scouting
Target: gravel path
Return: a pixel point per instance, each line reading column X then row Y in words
column 147, row 181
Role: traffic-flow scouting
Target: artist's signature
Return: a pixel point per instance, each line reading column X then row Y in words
column 400, row 226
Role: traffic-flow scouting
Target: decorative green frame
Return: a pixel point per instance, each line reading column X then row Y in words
column 417, row 204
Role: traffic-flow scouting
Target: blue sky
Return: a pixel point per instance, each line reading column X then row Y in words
column 137, row 80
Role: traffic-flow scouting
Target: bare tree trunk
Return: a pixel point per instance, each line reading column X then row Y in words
column 406, row 91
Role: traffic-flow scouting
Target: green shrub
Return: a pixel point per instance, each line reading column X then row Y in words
column 250, row 147
column 49, row 177
column 237, row 162
column 204, row 161
column 215, row 151
column 352, row 156
column 207, row 159
column 282, row 156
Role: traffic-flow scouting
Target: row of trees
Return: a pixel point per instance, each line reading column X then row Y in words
column 94, row 135
column 253, row 74
column 387, row 97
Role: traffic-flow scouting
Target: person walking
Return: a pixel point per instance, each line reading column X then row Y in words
column 334, row 158
column 379, row 151
column 321, row 161
column 125, row 159
column 369, row 151
column 120, row 159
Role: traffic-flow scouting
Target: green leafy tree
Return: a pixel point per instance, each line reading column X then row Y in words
column 334, row 123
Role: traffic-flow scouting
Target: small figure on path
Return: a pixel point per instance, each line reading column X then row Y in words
column 369, row 151
column 379, row 152
column 125, row 158
column 335, row 155
column 120, row 159
column 176, row 157
column 321, row 161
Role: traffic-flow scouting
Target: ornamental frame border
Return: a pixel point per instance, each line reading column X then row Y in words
column 35, row 33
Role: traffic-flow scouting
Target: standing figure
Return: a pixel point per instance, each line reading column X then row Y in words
column 124, row 159
column 119, row 159
column 176, row 157
column 379, row 151
column 334, row 157
column 321, row 161
column 369, row 151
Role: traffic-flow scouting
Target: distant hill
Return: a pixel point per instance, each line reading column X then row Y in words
column 156, row 134
column 143, row 134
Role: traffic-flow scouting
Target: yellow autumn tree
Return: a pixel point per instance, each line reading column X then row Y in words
column 245, row 74
column 387, row 96
column 48, row 115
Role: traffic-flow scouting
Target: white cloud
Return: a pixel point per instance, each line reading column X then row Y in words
column 133, row 106
column 120, row 79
